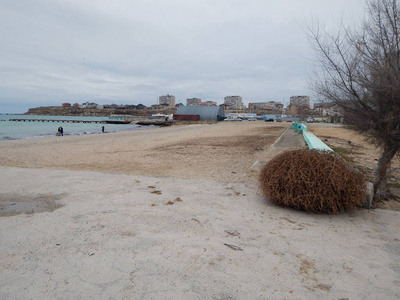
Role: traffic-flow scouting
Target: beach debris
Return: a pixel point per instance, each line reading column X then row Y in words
column 157, row 192
column 258, row 165
column 236, row 248
column 233, row 232
column 173, row 202
column 197, row 221
column 324, row 287
column 287, row 219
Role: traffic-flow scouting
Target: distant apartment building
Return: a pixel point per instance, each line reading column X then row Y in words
column 88, row 105
column 208, row 103
column 198, row 102
column 300, row 101
column 233, row 102
column 193, row 101
column 327, row 109
column 292, row 109
column 320, row 108
column 167, row 100
column 270, row 105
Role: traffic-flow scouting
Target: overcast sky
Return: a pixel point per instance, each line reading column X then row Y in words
column 132, row 51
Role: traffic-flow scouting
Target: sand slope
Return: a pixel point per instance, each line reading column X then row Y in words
column 135, row 237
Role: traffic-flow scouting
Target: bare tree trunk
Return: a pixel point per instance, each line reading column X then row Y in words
column 380, row 185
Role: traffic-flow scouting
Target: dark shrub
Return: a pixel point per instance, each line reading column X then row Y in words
column 312, row 180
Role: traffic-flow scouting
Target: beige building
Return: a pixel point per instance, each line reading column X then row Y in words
column 233, row 102
column 208, row 103
column 167, row 100
column 270, row 105
column 193, row 101
column 198, row 102
column 300, row 101
column 292, row 109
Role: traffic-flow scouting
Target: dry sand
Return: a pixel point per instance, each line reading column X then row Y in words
column 183, row 219
column 223, row 151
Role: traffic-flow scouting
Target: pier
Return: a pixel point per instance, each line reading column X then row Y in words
column 58, row 121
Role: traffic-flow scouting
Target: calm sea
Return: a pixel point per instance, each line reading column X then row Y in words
column 10, row 130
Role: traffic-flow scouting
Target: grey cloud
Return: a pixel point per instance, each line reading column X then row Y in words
column 134, row 51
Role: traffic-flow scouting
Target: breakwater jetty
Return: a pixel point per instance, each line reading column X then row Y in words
column 57, row 121
column 74, row 121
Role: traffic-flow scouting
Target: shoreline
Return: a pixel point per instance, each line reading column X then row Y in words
column 32, row 128
column 84, row 133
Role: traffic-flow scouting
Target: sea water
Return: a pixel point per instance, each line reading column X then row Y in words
column 10, row 130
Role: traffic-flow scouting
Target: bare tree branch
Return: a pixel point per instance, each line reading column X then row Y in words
column 359, row 71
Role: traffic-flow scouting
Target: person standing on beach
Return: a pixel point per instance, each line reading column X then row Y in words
column 102, row 129
column 61, row 131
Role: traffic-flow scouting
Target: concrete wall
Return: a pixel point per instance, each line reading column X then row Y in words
column 312, row 141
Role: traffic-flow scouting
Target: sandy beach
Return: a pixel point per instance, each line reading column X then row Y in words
column 176, row 213
column 223, row 151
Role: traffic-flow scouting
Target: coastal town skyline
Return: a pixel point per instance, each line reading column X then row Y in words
column 168, row 101
column 125, row 52
column 185, row 102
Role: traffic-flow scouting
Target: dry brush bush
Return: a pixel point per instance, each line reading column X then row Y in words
column 312, row 180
